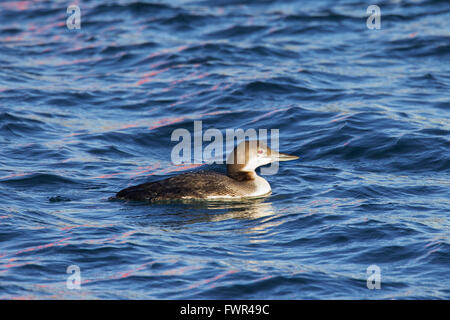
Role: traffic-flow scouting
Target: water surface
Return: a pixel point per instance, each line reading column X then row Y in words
column 85, row 113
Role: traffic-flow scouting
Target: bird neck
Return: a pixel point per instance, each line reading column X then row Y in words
column 241, row 175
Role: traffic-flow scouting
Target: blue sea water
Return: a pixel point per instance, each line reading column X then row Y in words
column 86, row 112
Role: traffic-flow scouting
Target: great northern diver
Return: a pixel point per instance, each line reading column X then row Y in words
column 241, row 180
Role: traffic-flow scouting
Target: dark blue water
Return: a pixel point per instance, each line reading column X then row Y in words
column 85, row 113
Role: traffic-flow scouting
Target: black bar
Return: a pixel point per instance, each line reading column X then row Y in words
column 224, row 309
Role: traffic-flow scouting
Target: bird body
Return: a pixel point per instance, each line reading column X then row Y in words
column 241, row 180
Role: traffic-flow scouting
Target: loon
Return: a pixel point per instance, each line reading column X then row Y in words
column 240, row 182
